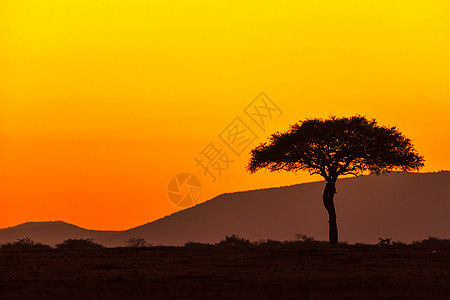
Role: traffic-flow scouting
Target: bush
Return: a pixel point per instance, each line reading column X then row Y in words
column 300, row 237
column 398, row 243
column 384, row 242
column 235, row 242
column 270, row 243
column 78, row 244
column 433, row 242
column 25, row 243
column 137, row 243
column 193, row 244
column 305, row 240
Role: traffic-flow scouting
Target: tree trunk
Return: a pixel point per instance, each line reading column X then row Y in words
column 328, row 196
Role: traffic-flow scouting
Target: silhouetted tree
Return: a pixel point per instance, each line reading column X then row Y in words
column 25, row 243
column 334, row 147
column 235, row 242
column 78, row 244
column 136, row 242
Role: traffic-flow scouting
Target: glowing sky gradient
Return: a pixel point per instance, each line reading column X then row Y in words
column 102, row 102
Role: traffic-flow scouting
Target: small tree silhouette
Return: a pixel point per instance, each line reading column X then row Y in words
column 25, row 243
column 136, row 243
column 234, row 241
column 334, row 147
column 300, row 237
column 78, row 244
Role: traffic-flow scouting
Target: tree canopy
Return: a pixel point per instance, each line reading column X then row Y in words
column 337, row 146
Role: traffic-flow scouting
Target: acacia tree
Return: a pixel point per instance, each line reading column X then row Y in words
column 336, row 147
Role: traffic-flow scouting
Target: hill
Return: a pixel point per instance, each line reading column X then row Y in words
column 401, row 206
column 49, row 233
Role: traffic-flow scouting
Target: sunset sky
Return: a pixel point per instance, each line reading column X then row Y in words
column 103, row 102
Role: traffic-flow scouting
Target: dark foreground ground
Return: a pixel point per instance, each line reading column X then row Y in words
column 202, row 272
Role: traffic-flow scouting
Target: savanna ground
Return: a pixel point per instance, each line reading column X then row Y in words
column 268, row 271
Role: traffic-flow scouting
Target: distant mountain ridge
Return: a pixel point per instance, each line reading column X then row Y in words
column 401, row 206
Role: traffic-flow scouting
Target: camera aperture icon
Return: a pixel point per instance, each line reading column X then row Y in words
column 184, row 190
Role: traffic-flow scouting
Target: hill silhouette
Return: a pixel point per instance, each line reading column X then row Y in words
column 401, row 206
column 49, row 233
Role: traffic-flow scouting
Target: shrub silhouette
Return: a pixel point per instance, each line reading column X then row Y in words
column 433, row 242
column 137, row 243
column 306, row 240
column 300, row 237
column 197, row 244
column 235, row 242
column 398, row 243
column 78, row 244
column 270, row 243
column 382, row 241
column 25, row 243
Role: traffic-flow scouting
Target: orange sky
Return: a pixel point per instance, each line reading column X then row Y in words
column 102, row 102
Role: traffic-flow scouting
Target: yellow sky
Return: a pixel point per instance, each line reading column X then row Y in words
column 102, row 102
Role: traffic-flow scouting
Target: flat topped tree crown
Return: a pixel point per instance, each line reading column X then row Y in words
column 333, row 147
column 337, row 146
